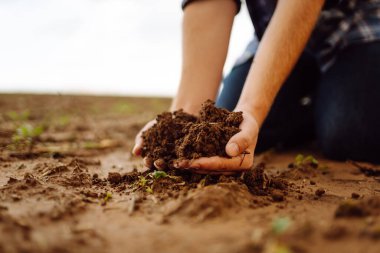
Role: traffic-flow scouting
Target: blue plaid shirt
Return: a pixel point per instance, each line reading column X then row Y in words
column 341, row 23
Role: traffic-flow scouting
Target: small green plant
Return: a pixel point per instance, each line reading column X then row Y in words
column 63, row 121
column 280, row 248
column 107, row 198
column 280, row 225
column 302, row 160
column 157, row 174
column 124, row 107
column 26, row 136
column 18, row 116
column 142, row 181
column 90, row 145
column 149, row 190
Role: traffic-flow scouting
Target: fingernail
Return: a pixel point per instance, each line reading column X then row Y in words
column 183, row 164
column 148, row 162
column 233, row 149
column 159, row 164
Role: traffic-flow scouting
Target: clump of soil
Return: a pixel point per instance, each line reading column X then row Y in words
column 320, row 192
column 188, row 194
column 180, row 135
column 362, row 208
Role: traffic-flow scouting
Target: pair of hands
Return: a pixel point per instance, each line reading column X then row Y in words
column 240, row 148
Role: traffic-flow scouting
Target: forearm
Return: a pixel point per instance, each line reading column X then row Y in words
column 206, row 31
column 279, row 50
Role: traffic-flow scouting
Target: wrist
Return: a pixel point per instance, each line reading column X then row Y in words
column 258, row 111
column 187, row 107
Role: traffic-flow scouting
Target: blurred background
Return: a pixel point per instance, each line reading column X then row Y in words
column 110, row 47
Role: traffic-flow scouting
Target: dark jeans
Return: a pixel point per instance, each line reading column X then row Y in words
column 341, row 108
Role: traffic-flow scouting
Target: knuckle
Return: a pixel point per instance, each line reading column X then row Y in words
column 244, row 141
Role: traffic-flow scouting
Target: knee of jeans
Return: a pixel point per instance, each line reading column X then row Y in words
column 346, row 141
column 333, row 140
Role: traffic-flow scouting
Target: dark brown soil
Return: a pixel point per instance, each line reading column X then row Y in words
column 179, row 135
column 362, row 208
column 78, row 189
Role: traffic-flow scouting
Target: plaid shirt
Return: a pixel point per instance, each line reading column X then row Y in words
column 341, row 23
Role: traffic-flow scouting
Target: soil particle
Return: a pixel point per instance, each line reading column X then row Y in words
column 130, row 177
column 366, row 170
column 50, row 171
column 210, row 202
column 312, row 182
column 320, row 192
column 336, row 232
column 79, row 178
column 12, row 180
column 355, row 195
column 256, row 180
column 179, row 135
column 30, row 180
column 114, row 178
column 362, row 208
column 277, row 196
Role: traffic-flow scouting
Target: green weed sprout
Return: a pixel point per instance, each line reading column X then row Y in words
column 302, row 160
column 149, row 190
column 159, row 174
column 18, row 116
column 142, row 181
column 107, row 198
column 280, row 225
column 279, row 248
column 27, row 135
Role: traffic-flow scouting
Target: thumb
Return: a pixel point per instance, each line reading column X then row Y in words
column 243, row 140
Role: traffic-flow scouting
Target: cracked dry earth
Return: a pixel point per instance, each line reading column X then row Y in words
column 74, row 187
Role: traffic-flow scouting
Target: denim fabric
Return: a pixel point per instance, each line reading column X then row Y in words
column 339, row 107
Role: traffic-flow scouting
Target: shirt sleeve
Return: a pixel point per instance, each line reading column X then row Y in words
column 186, row 2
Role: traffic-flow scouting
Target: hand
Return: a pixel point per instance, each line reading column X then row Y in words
column 240, row 148
column 139, row 140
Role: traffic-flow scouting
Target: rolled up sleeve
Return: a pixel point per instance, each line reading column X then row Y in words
column 187, row 2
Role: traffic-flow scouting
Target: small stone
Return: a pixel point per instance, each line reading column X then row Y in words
column 319, row 192
column 114, row 177
column 355, row 195
column 277, row 196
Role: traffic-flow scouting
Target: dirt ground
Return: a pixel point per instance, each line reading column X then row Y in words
column 66, row 186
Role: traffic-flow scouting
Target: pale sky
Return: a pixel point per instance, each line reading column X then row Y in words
column 122, row 47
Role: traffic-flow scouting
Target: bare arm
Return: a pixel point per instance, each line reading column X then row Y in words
column 206, row 32
column 279, row 50
column 206, row 28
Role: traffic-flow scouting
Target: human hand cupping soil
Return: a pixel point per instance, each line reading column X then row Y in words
column 215, row 142
column 240, row 148
column 139, row 142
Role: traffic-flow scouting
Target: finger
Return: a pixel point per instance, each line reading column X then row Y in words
column 138, row 146
column 160, row 164
column 148, row 162
column 208, row 172
column 238, row 163
column 182, row 164
column 244, row 139
column 139, row 140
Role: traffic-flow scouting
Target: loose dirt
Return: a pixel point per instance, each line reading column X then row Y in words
column 179, row 135
column 74, row 187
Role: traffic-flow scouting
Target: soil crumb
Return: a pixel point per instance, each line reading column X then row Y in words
column 320, row 192
column 180, row 135
column 362, row 208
